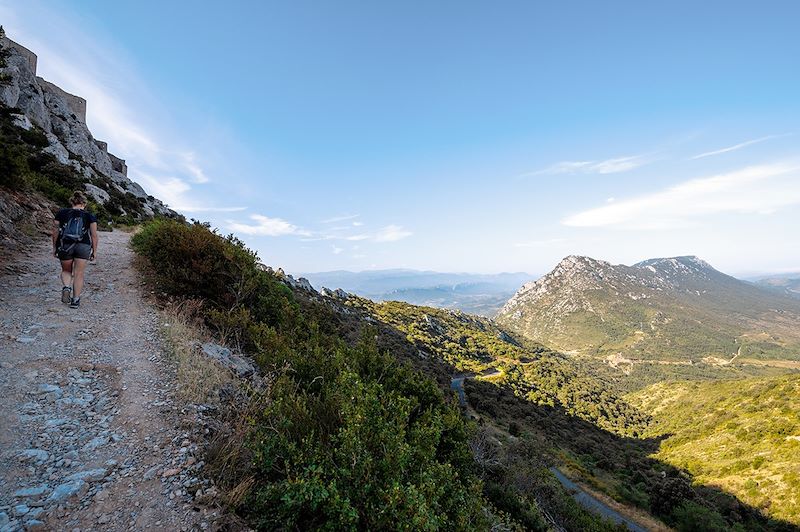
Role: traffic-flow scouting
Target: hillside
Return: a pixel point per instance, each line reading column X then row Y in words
column 475, row 345
column 743, row 436
column 788, row 284
column 47, row 152
column 481, row 294
column 675, row 317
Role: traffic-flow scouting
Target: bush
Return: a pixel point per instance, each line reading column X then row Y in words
column 691, row 516
column 348, row 438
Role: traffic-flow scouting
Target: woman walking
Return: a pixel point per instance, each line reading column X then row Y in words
column 74, row 243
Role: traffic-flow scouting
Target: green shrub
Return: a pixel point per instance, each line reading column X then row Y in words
column 691, row 517
column 349, row 438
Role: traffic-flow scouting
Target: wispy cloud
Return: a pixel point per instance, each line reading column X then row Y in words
column 266, row 226
column 739, row 146
column 391, row 233
column 756, row 189
column 608, row 166
column 343, row 218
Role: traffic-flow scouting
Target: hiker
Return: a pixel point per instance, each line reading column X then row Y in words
column 74, row 243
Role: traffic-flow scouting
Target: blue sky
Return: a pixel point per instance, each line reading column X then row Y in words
column 454, row 136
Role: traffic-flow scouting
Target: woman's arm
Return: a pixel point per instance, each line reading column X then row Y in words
column 93, row 231
column 55, row 237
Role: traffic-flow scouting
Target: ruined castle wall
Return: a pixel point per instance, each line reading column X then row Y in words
column 24, row 52
column 118, row 164
column 76, row 103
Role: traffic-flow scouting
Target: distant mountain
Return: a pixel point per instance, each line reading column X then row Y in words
column 671, row 311
column 481, row 294
column 788, row 283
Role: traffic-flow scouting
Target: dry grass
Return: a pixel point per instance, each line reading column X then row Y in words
column 199, row 378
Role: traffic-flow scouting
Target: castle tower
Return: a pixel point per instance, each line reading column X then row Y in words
column 24, row 52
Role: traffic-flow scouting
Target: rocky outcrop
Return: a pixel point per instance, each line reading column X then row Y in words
column 61, row 116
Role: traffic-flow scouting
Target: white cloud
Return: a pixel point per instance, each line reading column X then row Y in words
column 391, row 233
column 337, row 250
column 607, row 166
column 738, row 146
column 341, row 218
column 266, row 226
column 755, row 190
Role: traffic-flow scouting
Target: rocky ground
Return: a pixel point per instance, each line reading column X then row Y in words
column 92, row 436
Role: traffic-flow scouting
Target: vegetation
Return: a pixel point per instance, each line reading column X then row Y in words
column 662, row 320
column 531, row 371
column 26, row 166
column 345, row 436
column 743, row 436
column 349, row 435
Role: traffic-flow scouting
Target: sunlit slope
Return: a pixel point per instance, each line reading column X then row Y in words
column 742, row 435
column 676, row 311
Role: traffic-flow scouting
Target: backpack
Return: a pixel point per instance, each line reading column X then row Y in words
column 73, row 232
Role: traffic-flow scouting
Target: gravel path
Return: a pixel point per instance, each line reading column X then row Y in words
column 91, row 437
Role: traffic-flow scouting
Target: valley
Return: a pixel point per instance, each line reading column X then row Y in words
column 661, row 395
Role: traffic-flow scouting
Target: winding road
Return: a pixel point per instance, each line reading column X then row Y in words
column 583, row 498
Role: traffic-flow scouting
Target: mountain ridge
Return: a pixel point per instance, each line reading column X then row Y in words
column 672, row 310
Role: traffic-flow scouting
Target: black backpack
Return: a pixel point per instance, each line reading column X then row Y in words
column 73, row 232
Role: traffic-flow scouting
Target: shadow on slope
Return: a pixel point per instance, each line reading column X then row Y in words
column 619, row 466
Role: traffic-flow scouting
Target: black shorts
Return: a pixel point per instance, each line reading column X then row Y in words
column 76, row 251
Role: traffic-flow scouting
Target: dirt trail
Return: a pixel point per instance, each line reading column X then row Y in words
column 91, row 437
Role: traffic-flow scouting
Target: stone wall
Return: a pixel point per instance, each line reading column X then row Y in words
column 118, row 164
column 76, row 103
column 24, row 52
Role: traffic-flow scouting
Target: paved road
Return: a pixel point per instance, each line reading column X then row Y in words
column 457, row 384
column 584, row 499
column 594, row 505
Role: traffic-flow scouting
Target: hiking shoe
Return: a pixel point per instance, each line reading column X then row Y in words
column 75, row 303
column 66, row 295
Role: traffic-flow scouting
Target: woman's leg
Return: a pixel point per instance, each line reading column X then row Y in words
column 77, row 277
column 66, row 272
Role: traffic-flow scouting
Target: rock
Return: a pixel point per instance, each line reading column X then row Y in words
column 235, row 363
column 21, row 509
column 170, row 473
column 150, row 474
column 304, row 284
column 34, row 525
column 48, row 388
column 34, row 454
column 66, row 490
column 4, row 520
column 94, row 443
column 26, row 339
column 91, row 475
column 99, row 195
column 62, row 118
column 31, row 492
column 56, row 422
column 22, row 121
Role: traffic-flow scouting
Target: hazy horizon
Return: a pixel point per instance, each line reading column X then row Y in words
column 450, row 137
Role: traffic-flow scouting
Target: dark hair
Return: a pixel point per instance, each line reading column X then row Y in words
column 78, row 198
